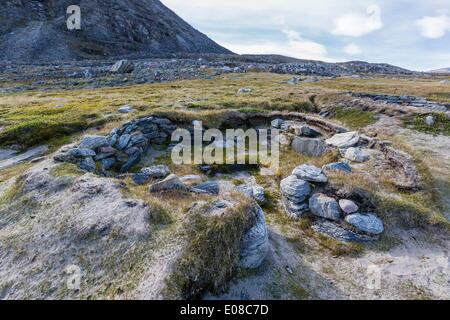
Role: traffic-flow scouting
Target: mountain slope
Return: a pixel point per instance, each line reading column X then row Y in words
column 37, row 30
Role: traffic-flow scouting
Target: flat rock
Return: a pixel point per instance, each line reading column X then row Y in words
column 122, row 66
column 366, row 223
column 338, row 166
column 344, row 140
column 310, row 147
column 191, row 179
column 27, row 155
column 323, row 206
column 309, row 172
column 126, row 109
column 294, row 210
column 334, row 231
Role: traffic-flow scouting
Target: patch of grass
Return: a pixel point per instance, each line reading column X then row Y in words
column 355, row 118
column 210, row 256
column 442, row 125
column 66, row 170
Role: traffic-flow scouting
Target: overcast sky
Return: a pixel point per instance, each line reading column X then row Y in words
column 414, row 34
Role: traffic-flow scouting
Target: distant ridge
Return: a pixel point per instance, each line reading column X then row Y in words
column 443, row 70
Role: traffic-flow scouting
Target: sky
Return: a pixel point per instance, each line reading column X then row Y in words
column 408, row 33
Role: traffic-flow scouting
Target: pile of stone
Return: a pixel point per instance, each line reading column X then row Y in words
column 121, row 149
column 407, row 100
column 337, row 218
column 310, row 142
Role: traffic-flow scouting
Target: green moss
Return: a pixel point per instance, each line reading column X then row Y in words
column 66, row 170
column 355, row 118
column 442, row 125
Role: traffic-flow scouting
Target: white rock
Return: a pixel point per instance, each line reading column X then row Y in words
column 356, row 155
column 366, row 222
column 348, row 206
column 311, row 173
column 344, row 140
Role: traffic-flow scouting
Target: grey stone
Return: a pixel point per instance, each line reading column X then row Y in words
column 294, row 210
column 253, row 191
column 311, row 173
column 301, row 130
column 430, row 120
column 295, row 189
column 338, row 166
column 172, row 182
column 323, row 206
column 356, row 155
column 348, row 206
column 156, row 172
column 244, row 90
column 12, row 159
column 108, row 163
column 134, row 157
column 81, row 153
column 191, row 179
column 254, row 245
column 122, row 66
column 344, row 140
column 277, row 123
column 366, row 223
column 126, row 109
column 93, row 142
column 88, row 164
column 334, row 231
column 210, row 187
column 123, row 141
column 310, row 147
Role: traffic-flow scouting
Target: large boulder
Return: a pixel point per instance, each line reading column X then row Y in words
column 310, row 147
column 344, row 140
column 324, row 206
column 309, row 172
column 122, row 66
column 366, row 223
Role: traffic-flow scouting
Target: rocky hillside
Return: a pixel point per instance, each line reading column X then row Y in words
column 443, row 70
column 37, row 30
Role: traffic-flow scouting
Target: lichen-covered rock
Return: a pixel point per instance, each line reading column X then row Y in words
column 357, row 155
column 191, row 180
column 310, row 147
column 277, row 123
column 309, row 172
column 366, row 223
column 88, row 164
column 81, row 153
column 344, row 140
column 324, row 206
column 156, row 172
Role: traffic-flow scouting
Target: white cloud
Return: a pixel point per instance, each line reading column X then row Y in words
column 352, row 49
column 356, row 24
column 296, row 47
column 434, row 27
